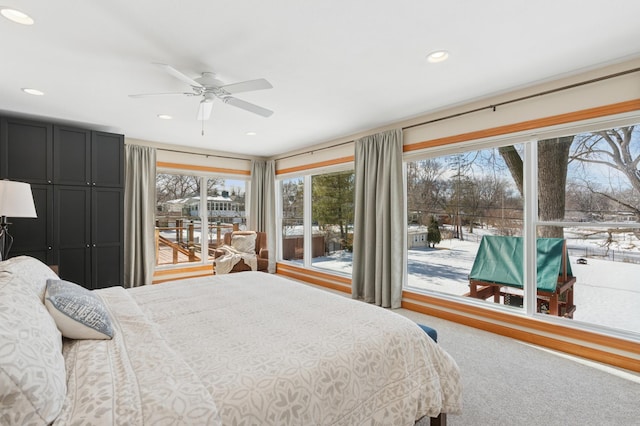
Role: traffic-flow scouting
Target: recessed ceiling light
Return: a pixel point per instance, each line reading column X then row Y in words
column 164, row 116
column 437, row 56
column 16, row 16
column 35, row 92
column 251, row 133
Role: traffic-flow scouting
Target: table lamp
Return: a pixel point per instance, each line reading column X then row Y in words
column 16, row 200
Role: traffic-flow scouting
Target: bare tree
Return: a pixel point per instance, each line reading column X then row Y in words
column 292, row 205
column 174, row 186
column 584, row 203
column 424, row 189
column 491, row 193
column 613, row 148
column 460, row 164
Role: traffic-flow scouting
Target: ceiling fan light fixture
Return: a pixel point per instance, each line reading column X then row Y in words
column 437, row 56
column 16, row 16
column 204, row 112
column 31, row 91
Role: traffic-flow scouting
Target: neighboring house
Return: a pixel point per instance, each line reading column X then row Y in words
column 173, row 207
column 220, row 208
column 417, row 237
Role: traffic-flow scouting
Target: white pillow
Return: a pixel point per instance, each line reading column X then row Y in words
column 33, row 380
column 30, row 269
column 245, row 243
column 79, row 313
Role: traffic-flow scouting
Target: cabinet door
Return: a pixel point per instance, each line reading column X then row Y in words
column 26, row 151
column 34, row 236
column 71, row 156
column 107, row 163
column 72, row 233
column 107, row 235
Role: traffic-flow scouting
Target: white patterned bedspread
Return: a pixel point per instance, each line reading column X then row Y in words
column 256, row 349
column 133, row 379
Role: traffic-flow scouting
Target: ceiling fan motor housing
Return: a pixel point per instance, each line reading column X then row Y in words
column 209, row 80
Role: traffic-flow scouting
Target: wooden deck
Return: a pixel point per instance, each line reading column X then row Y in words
column 165, row 256
column 170, row 252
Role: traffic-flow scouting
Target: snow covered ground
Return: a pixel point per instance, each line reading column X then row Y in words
column 606, row 293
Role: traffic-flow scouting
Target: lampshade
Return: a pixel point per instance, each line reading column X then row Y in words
column 16, row 199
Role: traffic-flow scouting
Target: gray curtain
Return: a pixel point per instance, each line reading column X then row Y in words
column 263, row 204
column 139, row 215
column 378, row 238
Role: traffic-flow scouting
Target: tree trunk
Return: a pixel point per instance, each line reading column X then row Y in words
column 553, row 160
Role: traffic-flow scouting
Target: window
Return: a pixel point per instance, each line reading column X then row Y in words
column 332, row 219
column 178, row 220
column 188, row 224
column 322, row 238
column 292, row 191
column 452, row 202
column 589, row 195
column 466, row 216
column 226, row 208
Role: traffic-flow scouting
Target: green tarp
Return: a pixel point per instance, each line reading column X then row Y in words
column 499, row 260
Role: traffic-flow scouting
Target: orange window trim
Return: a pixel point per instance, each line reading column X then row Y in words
column 553, row 343
column 327, row 163
column 554, row 120
column 191, row 167
column 525, row 322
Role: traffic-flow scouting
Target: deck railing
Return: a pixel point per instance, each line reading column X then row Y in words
column 182, row 243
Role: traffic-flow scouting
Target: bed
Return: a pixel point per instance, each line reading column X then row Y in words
column 239, row 349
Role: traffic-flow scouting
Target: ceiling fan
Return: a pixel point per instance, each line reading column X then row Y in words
column 209, row 88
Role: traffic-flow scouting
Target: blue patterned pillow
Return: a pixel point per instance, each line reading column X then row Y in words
column 79, row 313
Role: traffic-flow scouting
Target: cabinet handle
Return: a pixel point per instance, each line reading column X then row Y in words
column 87, row 245
column 88, row 183
column 94, row 245
column 49, row 247
column 48, row 181
column 94, row 184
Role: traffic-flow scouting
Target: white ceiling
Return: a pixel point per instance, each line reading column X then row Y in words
column 337, row 67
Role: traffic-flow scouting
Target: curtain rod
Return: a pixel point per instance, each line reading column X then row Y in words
column 492, row 107
column 206, row 155
column 524, row 98
column 315, row 150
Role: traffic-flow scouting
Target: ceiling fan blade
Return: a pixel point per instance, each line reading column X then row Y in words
column 204, row 112
column 148, row 95
column 246, row 86
column 180, row 76
column 247, row 106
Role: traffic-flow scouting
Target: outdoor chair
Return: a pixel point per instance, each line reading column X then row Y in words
column 260, row 250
